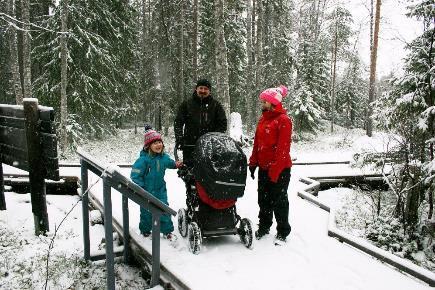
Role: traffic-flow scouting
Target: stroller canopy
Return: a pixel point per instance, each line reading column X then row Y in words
column 220, row 166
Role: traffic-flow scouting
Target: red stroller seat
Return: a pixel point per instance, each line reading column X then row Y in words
column 214, row 203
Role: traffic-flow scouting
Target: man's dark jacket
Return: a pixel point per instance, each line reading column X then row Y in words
column 197, row 116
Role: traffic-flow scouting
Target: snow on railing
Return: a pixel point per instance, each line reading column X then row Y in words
column 309, row 192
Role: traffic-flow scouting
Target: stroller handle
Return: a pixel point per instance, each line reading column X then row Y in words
column 177, row 158
column 176, row 154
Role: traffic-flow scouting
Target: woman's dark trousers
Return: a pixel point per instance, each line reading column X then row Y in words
column 273, row 199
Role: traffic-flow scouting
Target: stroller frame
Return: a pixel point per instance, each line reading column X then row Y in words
column 199, row 220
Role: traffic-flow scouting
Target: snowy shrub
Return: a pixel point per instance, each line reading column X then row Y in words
column 386, row 233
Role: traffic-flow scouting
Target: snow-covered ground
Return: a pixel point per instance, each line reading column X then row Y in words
column 23, row 263
column 309, row 260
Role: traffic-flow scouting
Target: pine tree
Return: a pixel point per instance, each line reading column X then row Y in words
column 207, row 65
column 351, row 95
column 305, row 111
column 340, row 32
column 313, row 75
column 278, row 50
column 235, row 36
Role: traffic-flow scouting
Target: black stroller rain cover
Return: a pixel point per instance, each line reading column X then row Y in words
column 220, row 166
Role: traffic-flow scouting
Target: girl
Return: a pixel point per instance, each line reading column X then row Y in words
column 148, row 172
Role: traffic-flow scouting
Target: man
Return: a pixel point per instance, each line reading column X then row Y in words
column 271, row 153
column 196, row 116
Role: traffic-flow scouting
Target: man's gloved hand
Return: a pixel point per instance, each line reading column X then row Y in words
column 252, row 170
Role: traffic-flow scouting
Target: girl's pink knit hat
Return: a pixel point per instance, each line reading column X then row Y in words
column 274, row 95
column 150, row 136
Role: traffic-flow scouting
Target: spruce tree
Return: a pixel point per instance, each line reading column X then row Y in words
column 100, row 65
column 408, row 111
column 235, row 35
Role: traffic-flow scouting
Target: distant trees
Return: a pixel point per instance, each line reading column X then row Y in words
column 104, row 63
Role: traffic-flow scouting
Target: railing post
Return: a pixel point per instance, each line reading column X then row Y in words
column 85, row 209
column 2, row 188
column 126, row 227
column 155, row 275
column 36, row 165
column 108, row 229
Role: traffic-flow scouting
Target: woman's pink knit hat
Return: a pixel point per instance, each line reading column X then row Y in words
column 274, row 95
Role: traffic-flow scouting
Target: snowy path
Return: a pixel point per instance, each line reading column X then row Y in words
column 309, row 260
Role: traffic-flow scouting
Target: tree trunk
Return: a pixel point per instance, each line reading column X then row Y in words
column 249, row 69
column 15, row 69
column 181, row 51
column 221, row 58
column 371, row 24
column 334, row 68
column 253, row 30
column 64, row 76
column 27, row 73
column 373, row 58
column 195, row 40
column 259, row 48
column 146, row 117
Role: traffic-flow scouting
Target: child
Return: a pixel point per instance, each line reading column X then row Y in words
column 148, row 172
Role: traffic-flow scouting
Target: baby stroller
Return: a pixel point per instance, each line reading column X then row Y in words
column 217, row 179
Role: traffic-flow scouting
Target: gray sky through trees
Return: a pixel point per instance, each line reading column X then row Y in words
column 396, row 29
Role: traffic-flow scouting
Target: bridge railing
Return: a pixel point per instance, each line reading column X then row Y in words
column 113, row 178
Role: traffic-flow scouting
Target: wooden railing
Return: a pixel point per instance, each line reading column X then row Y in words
column 310, row 193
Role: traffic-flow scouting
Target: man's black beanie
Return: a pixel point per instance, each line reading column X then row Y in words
column 203, row 82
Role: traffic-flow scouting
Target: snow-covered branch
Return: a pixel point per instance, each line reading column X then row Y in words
column 12, row 21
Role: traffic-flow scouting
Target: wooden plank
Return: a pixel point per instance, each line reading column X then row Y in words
column 19, row 153
column 13, row 137
column 13, row 161
column 49, row 145
column 46, row 113
column 66, row 186
column 12, row 122
column 12, row 111
column 48, row 127
column 51, row 168
column 2, row 189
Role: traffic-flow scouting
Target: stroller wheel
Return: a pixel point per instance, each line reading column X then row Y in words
column 182, row 222
column 195, row 238
column 245, row 232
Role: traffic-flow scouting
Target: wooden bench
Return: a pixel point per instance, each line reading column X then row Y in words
column 28, row 142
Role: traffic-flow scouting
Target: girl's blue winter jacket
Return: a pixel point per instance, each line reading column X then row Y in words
column 148, row 172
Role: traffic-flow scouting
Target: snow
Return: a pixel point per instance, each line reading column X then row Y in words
column 236, row 131
column 23, row 263
column 309, row 260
